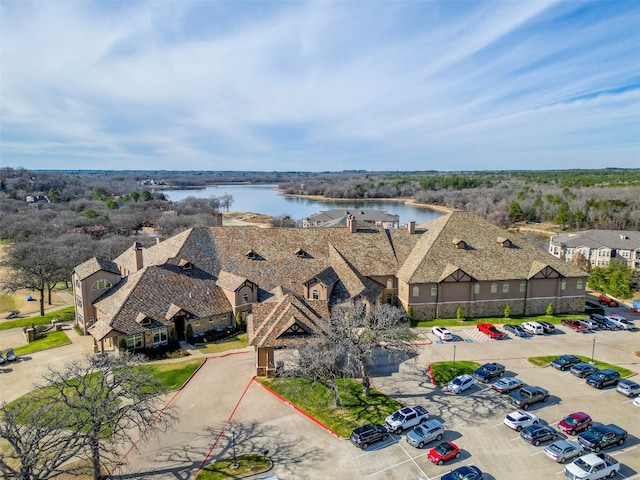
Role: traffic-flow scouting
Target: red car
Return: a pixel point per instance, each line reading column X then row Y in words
column 607, row 301
column 574, row 423
column 577, row 325
column 490, row 330
column 443, row 452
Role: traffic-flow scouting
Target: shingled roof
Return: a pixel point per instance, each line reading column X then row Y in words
column 483, row 258
column 94, row 265
column 615, row 239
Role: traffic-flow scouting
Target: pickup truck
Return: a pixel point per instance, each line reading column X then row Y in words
column 592, row 466
column 602, row 436
column 406, row 417
column 488, row 372
column 607, row 300
column 528, row 395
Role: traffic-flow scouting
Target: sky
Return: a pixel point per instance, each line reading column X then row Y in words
column 319, row 86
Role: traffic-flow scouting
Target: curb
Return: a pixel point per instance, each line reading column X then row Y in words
column 433, row 380
column 297, row 409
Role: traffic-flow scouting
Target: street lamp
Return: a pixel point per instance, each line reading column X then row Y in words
column 593, row 348
column 234, row 464
column 454, row 358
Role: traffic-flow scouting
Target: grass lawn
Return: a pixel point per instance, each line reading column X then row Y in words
column 317, row 401
column 516, row 320
column 173, row 375
column 48, row 340
column 65, row 314
column 8, row 302
column 443, row 372
column 239, row 341
column 546, row 360
column 247, row 464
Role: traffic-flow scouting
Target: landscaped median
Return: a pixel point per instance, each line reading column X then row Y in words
column 443, row 372
column 242, row 466
column 316, row 401
column 46, row 341
column 546, row 360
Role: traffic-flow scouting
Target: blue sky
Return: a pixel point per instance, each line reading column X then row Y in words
column 329, row 85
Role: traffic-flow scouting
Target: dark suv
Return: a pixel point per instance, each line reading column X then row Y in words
column 364, row 436
column 565, row 362
column 603, row 378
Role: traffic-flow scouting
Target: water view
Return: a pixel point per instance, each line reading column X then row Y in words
column 266, row 200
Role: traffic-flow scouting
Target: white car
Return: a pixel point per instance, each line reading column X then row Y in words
column 636, row 401
column 533, row 328
column 461, row 383
column 519, row 419
column 621, row 322
column 442, row 333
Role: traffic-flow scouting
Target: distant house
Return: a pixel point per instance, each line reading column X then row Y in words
column 599, row 247
column 338, row 218
column 283, row 282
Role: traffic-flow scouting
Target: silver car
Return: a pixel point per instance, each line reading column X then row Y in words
column 628, row 388
column 563, row 450
column 427, row 432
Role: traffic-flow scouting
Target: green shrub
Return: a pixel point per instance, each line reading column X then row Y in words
column 459, row 313
column 507, row 311
column 189, row 334
column 549, row 310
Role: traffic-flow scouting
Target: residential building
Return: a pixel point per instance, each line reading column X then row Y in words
column 283, row 282
column 599, row 247
column 338, row 218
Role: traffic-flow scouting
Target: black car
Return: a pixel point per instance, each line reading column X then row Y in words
column 548, row 327
column 603, row 378
column 583, row 370
column 470, row 472
column 538, row 433
column 603, row 321
column 488, row 372
column 516, row 330
column 565, row 362
column 364, row 436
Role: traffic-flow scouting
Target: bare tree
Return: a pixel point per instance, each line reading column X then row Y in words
column 362, row 331
column 40, row 444
column 109, row 403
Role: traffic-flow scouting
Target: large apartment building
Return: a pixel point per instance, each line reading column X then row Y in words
column 599, row 246
column 283, row 281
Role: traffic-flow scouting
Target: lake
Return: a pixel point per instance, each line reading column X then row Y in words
column 264, row 199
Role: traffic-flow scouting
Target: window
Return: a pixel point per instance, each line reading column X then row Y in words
column 101, row 284
column 196, row 323
column 476, row 289
column 245, row 297
column 210, row 319
column 505, row 287
column 134, row 341
column 434, row 290
column 579, row 284
column 563, row 285
column 389, row 282
column 523, row 287
column 80, row 319
column 416, row 291
column 77, row 284
column 160, row 336
column 389, row 298
column 494, row 288
column 315, row 294
column 78, row 301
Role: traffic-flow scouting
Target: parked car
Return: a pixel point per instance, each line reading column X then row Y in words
column 607, row 300
column 621, row 322
column 603, row 378
column 602, row 436
column 506, row 384
column 516, row 330
column 563, row 450
column 12, row 314
column 460, row 384
column 10, row 355
column 576, row 325
column 488, row 372
column 467, row 472
column 364, row 436
column 491, row 330
column 536, row 434
column 603, row 321
column 443, row 452
column 528, row 395
column 636, row 401
column 406, row 417
column 533, row 328
column 575, row 423
column 592, row 467
column 518, row 420
column 427, row 432
column 442, row 333
column 583, row 370
column 565, row 362
column 590, row 323
column 548, row 327
column 628, row 388
column 1, row 358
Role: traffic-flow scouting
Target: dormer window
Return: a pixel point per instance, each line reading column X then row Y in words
column 301, row 253
column 101, row 284
column 143, row 320
column 252, row 255
column 185, row 265
column 459, row 244
column 505, row 242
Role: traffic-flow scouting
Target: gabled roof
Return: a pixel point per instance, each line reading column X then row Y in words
column 614, row 239
column 94, row 265
column 483, row 259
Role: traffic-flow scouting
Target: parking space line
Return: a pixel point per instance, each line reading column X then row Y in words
column 413, row 459
column 537, row 453
column 389, row 468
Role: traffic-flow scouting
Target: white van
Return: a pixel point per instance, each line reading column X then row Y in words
column 533, row 328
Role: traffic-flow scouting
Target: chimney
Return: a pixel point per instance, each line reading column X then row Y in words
column 411, row 226
column 137, row 248
column 158, row 240
column 218, row 221
column 351, row 224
